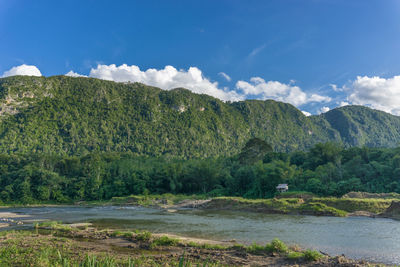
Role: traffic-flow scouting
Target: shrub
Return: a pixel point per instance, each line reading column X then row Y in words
column 165, row 241
column 294, row 255
column 276, row 245
column 255, row 248
column 143, row 236
column 312, row 255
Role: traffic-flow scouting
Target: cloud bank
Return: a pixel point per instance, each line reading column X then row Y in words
column 26, row 70
column 167, row 78
column 74, row 74
column 376, row 92
column 289, row 93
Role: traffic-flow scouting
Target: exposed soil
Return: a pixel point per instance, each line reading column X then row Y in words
column 393, row 211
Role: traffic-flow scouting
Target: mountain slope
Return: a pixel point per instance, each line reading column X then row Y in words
column 68, row 115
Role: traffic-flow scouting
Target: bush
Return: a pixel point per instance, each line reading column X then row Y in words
column 294, row 255
column 256, row 249
column 165, row 241
column 276, row 246
column 143, row 236
column 312, row 255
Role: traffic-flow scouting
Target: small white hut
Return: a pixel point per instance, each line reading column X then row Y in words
column 282, row 188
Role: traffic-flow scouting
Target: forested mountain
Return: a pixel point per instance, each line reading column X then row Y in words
column 74, row 116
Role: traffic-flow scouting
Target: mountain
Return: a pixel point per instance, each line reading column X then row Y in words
column 73, row 116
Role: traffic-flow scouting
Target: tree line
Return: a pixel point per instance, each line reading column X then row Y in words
column 326, row 170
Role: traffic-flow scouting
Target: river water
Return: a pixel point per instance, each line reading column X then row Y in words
column 372, row 239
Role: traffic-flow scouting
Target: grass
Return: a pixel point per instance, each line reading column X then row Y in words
column 31, row 248
column 150, row 200
column 207, row 246
column 284, row 203
column 143, row 236
column 54, row 225
column 312, row 255
column 122, row 234
column 317, row 208
column 313, row 206
column 164, row 241
column 374, row 205
column 279, row 247
column 25, row 248
column 295, row 255
column 276, row 246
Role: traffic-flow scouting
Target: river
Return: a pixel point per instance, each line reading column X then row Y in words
column 372, row 239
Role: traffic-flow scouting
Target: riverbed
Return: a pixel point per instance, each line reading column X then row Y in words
column 371, row 239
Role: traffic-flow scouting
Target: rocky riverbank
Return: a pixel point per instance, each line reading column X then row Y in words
column 318, row 206
column 53, row 244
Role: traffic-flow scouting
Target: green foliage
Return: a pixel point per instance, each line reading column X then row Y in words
column 48, row 178
column 65, row 139
column 256, row 248
column 165, row 241
column 276, row 245
column 312, row 255
column 308, row 255
column 317, row 208
column 144, row 236
column 122, row 234
column 76, row 116
column 254, row 150
column 295, row 255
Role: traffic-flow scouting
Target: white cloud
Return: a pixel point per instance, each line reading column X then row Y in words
column 344, row 103
column 226, row 76
column 167, row 78
column 27, row 70
column 193, row 79
column 278, row 91
column 257, row 50
column 306, row 113
column 376, row 92
column 323, row 110
column 335, row 88
column 74, row 74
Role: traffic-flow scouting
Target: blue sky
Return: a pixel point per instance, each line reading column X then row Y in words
column 315, row 54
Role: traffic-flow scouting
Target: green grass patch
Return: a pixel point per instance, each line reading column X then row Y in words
column 207, row 246
column 295, row 255
column 165, row 241
column 312, row 255
column 144, row 236
column 374, row 205
column 276, row 245
column 317, row 208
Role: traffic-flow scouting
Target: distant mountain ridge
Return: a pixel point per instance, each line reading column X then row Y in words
column 73, row 116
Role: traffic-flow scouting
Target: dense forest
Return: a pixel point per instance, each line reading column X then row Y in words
column 66, row 139
column 326, row 170
column 79, row 116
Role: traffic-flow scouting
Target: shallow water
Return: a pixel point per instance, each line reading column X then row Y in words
column 372, row 239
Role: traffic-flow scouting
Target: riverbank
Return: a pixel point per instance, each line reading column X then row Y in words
column 54, row 244
column 373, row 205
column 290, row 204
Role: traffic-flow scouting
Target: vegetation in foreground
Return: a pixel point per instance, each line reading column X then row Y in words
column 54, row 244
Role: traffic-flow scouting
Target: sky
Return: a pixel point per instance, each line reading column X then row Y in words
column 314, row 54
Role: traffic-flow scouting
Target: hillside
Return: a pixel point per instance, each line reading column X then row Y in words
column 66, row 115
